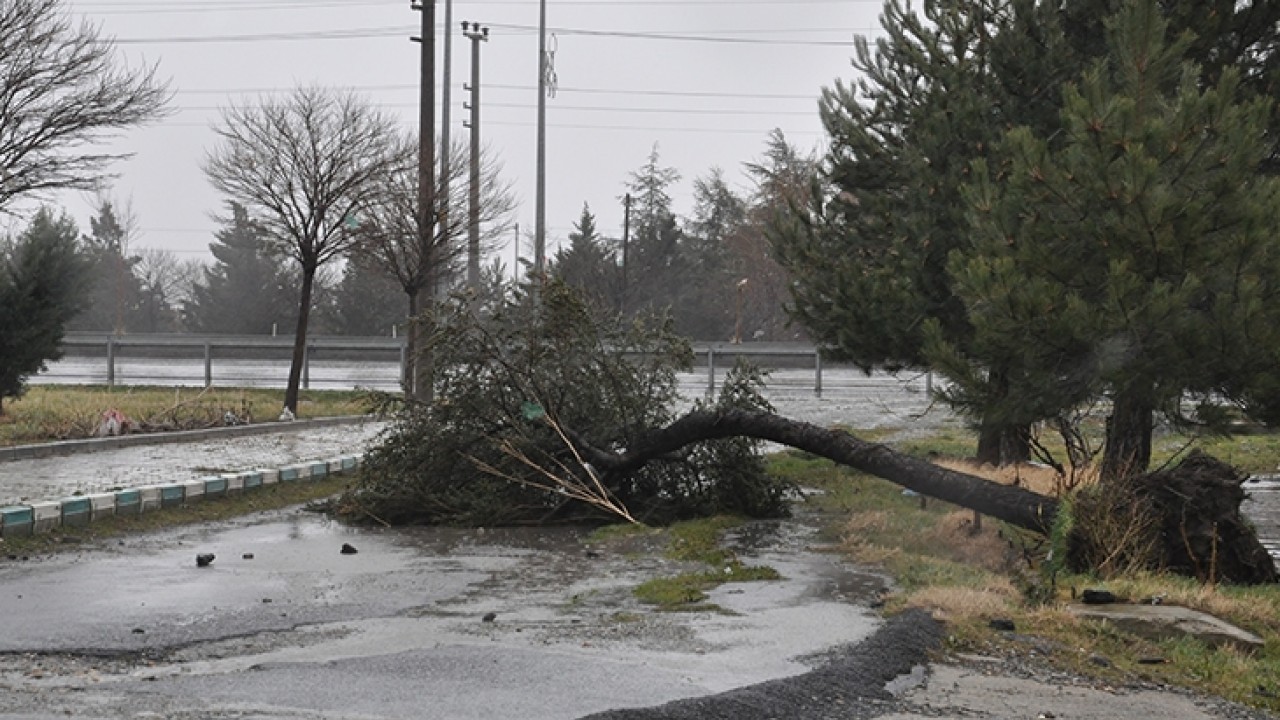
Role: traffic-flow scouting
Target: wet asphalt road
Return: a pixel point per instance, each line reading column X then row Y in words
column 397, row 630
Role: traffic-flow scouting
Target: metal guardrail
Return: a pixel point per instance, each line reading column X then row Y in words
column 711, row 356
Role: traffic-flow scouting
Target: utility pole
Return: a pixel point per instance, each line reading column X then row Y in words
column 446, row 111
column 422, row 366
column 515, row 245
column 540, row 212
column 476, row 34
column 626, row 236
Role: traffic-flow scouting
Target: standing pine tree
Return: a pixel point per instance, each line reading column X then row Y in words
column 41, row 289
column 588, row 264
column 868, row 253
column 652, row 258
column 246, row 291
column 1132, row 253
column 114, row 291
column 710, row 306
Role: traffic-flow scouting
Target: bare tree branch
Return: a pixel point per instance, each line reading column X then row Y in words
column 62, row 91
column 301, row 167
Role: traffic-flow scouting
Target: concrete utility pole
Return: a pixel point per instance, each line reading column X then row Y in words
column 476, row 34
column 446, row 110
column 626, row 236
column 540, row 212
column 422, row 365
column 515, row 245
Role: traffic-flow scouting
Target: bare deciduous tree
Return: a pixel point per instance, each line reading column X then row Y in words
column 389, row 231
column 166, row 282
column 62, row 90
column 302, row 166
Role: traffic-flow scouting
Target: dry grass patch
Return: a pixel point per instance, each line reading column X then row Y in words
column 998, row 598
column 69, row 412
column 1036, row 478
column 964, row 542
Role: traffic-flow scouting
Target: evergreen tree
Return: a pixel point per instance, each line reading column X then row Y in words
column 42, row 275
column 246, row 291
column 1135, row 255
column 115, row 294
column 367, row 301
column 653, row 281
column 588, row 264
column 783, row 178
column 710, row 305
column 869, row 251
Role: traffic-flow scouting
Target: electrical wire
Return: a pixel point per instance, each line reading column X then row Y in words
column 499, row 86
column 377, row 32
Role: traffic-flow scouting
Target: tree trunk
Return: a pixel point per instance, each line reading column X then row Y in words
column 1128, row 450
column 423, row 322
column 423, row 365
column 1014, row 505
column 411, row 345
column 1000, row 442
column 1003, row 444
column 300, row 340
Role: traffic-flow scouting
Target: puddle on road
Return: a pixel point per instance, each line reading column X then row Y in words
column 549, row 590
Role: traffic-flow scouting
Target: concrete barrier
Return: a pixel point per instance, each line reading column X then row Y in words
column 215, row 487
column 17, row 521
column 101, row 505
column 192, row 490
column 47, row 515
column 150, row 498
column 173, row 495
column 43, row 516
column 76, row 511
column 292, row 473
column 128, row 502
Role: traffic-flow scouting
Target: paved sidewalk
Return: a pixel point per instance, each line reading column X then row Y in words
column 53, row 478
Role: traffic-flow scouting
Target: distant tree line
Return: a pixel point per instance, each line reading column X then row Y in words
column 714, row 270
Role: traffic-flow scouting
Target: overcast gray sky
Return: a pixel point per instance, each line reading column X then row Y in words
column 704, row 79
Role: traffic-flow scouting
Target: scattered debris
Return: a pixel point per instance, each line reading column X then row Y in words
column 113, row 423
column 1098, row 597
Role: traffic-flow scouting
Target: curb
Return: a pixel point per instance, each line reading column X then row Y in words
column 72, row 447
column 38, row 517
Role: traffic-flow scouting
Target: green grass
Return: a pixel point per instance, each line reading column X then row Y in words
column 967, row 578
column 65, row 412
column 698, row 541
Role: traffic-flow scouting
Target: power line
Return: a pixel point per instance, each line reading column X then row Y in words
column 169, row 9
column 559, row 89
column 695, row 37
column 580, row 108
column 166, row 7
column 762, row 131
column 378, row 32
